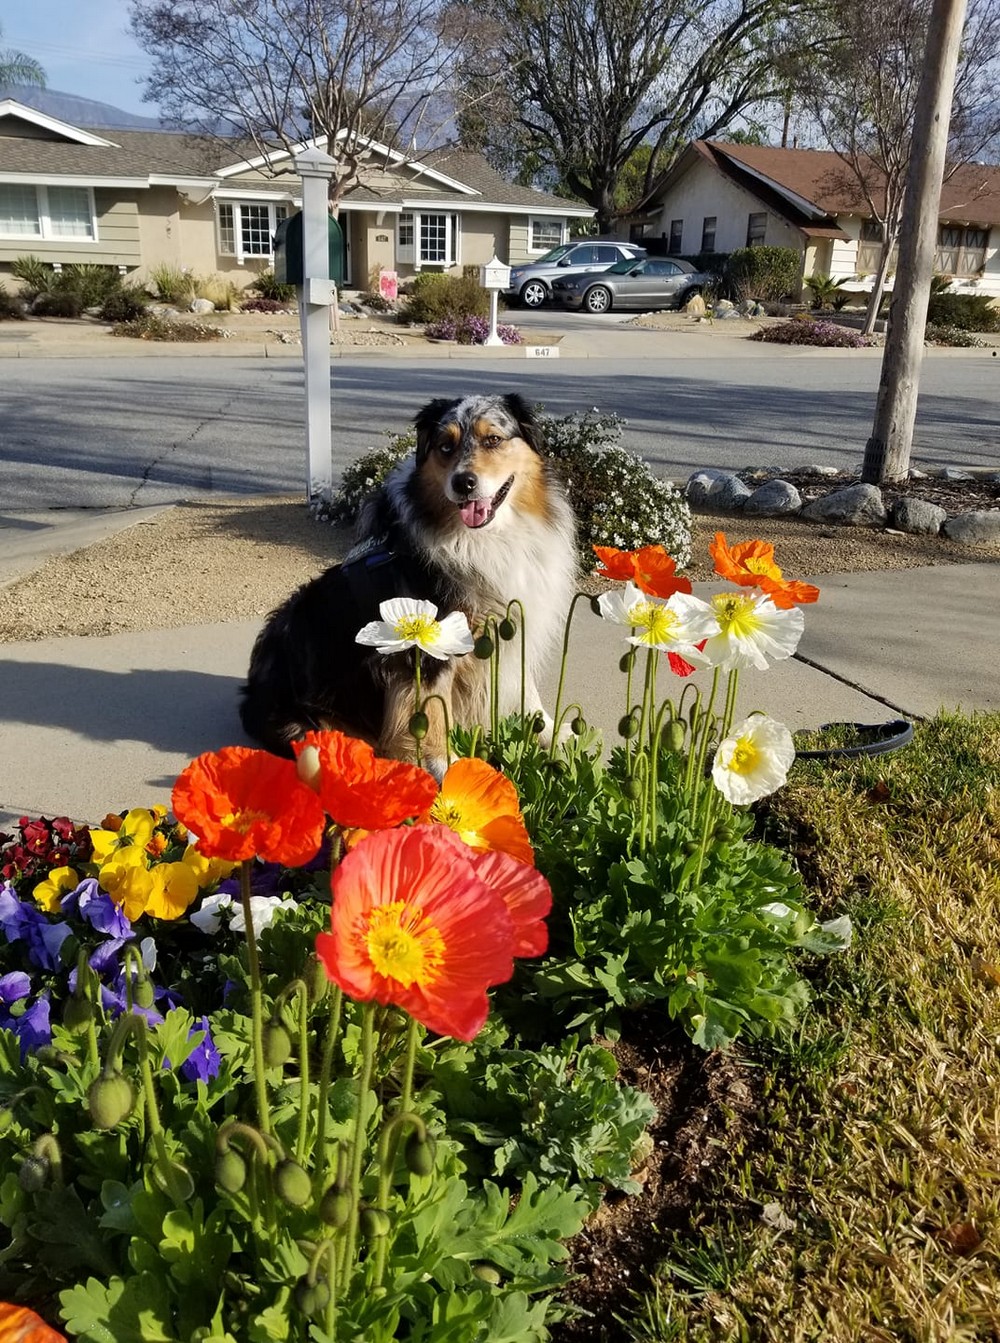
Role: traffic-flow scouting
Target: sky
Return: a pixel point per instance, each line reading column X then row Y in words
column 84, row 47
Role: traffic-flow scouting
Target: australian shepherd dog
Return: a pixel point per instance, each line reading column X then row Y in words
column 475, row 519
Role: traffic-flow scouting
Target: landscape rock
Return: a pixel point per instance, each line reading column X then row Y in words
column 723, row 305
column 820, row 470
column 695, row 306
column 774, row 499
column 162, row 310
column 974, row 529
column 202, row 306
column 915, row 473
column 917, row 516
column 729, row 314
column 856, row 506
column 703, row 484
column 731, row 494
column 955, row 473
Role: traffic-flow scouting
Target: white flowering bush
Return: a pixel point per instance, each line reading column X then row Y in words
column 615, row 496
column 617, row 499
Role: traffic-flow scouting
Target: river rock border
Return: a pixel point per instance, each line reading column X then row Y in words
column 711, row 490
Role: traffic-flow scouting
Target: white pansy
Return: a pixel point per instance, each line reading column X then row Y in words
column 753, row 760
column 209, row 918
column 409, row 623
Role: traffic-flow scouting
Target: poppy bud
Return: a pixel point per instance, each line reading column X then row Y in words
column 78, row 1013
column 628, row 726
column 142, row 993
column 578, row 725
column 595, row 606
column 373, row 1223
column 307, row 767
column 419, row 1154
column 419, row 725
column 483, row 648
column 110, row 1100
column 316, row 981
column 33, row 1173
column 627, row 661
column 292, row 1184
column 312, row 1298
column 230, row 1171
column 487, row 1273
column 632, row 788
column 538, row 723
column 277, row 1044
column 507, row 629
column 673, row 738
column 335, row 1206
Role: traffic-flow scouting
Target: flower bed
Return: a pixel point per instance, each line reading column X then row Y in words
column 327, row 1070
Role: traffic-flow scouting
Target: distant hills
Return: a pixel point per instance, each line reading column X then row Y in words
column 80, row 111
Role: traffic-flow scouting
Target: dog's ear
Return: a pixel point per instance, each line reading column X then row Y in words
column 528, row 426
column 427, row 420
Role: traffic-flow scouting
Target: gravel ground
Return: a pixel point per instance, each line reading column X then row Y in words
column 210, row 563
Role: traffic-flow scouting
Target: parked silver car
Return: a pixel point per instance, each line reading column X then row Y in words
column 531, row 282
column 650, row 282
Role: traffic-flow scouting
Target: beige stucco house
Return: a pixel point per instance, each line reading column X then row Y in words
column 718, row 197
column 139, row 198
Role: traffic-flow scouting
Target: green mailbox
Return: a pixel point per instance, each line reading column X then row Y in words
column 288, row 268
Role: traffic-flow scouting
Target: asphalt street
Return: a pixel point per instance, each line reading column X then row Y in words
column 89, row 433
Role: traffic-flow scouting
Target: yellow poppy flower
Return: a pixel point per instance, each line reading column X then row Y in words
column 59, row 882
column 481, row 805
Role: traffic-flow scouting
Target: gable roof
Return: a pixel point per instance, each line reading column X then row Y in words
column 144, row 158
column 810, row 187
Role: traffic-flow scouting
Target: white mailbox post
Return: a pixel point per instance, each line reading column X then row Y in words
column 315, row 296
column 494, row 277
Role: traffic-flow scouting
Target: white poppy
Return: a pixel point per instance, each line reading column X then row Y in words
column 754, row 760
column 749, row 630
column 409, row 623
column 658, row 623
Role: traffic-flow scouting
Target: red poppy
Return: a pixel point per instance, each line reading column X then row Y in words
column 651, row 569
column 358, row 789
column 526, row 894
column 751, row 564
column 481, row 805
column 18, row 1324
column 413, row 924
column 243, row 803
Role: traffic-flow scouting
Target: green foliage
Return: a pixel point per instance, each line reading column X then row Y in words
column 57, row 303
column 967, row 312
column 434, row 297
column 11, row 307
column 125, row 304
column 268, row 287
column 951, row 335
column 93, row 283
column 824, row 290
column 150, row 326
column 34, row 274
column 765, row 273
column 364, row 476
column 171, row 284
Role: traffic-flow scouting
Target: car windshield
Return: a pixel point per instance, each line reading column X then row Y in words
column 556, row 254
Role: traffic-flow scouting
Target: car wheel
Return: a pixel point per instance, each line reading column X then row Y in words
column 688, row 294
column 534, row 294
column 597, row 299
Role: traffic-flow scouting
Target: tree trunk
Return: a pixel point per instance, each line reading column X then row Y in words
column 887, row 452
column 878, row 286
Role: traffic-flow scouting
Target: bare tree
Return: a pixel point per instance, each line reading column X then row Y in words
column 590, row 81
column 277, row 71
column 17, row 68
column 861, row 87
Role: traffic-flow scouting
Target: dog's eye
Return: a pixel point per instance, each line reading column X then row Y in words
column 492, row 441
column 446, row 447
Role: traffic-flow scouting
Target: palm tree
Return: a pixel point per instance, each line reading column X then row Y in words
column 17, row 68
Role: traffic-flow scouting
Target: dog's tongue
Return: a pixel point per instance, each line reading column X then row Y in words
column 476, row 512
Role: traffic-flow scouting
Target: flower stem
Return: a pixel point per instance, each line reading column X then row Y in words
column 562, row 670
column 417, row 705
column 256, row 1003
column 325, row 1076
column 360, row 1128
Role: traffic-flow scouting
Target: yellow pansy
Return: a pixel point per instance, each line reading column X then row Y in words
column 127, row 880
column 59, row 882
column 207, row 871
column 135, row 831
column 173, row 887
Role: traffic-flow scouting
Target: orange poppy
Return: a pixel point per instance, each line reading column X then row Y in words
column 651, row 569
column 412, row 924
column 18, row 1324
column 482, row 807
column 243, row 803
column 526, row 894
column 358, row 789
column 751, row 565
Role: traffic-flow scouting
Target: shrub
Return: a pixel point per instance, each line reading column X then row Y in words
column 171, row 283
column 223, row 293
column 11, row 307
column 434, row 297
column 950, row 335
column 764, row 272
column 151, row 327
column 471, row 331
column 805, row 330
column 268, row 287
column 615, row 496
column 57, row 304
column 824, row 290
column 263, row 305
column 34, row 274
column 125, row 304
column 968, row 312
column 93, row 283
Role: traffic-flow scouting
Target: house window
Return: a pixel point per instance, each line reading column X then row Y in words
column 47, row 212
column 756, row 229
column 960, row 251
column 676, row 236
column 870, row 248
column 708, row 233
column 246, row 228
column 427, row 239
column 545, row 234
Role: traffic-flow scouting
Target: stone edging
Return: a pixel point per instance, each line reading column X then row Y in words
column 859, row 505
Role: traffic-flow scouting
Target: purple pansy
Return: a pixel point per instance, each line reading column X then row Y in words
column 32, row 1026
column 97, row 908
column 22, row 922
column 204, row 1061
column 14, row 987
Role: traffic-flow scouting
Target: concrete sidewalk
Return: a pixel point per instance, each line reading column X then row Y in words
column 91, row 725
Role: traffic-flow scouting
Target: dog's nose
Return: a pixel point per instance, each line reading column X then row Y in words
column 465, row 482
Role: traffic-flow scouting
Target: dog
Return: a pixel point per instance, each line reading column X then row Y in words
column 475, row 518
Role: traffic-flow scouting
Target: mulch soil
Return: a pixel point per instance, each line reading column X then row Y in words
column 954, row 496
